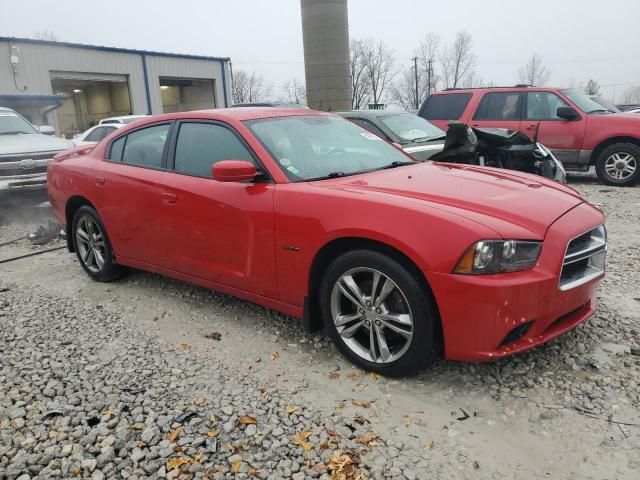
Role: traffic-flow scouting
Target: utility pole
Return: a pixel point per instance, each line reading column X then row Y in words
column 415, row 72
column 429, row 76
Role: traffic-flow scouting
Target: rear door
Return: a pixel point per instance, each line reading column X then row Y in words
column 128, row 185
column 440, row 109
column 563, row 137
column 499, row 110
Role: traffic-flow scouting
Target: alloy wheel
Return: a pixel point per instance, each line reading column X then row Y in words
column 372, row 315
column 620, row 165
column 90, row 243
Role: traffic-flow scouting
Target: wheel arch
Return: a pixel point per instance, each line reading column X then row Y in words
column 73, row 205
column 612, row 141
column 339, row 246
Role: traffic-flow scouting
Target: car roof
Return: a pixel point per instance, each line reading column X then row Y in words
column 517, row 88
column 269, row 104
column 238, row 114
column 122, row 117
column 372, row 113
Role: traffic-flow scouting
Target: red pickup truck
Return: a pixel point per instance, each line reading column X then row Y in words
column 578, row 130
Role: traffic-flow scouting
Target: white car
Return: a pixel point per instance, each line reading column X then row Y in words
column 95, row 134
column 633, row 110
column 121, row 120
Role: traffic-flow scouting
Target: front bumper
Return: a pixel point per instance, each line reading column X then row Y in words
column 491, row 316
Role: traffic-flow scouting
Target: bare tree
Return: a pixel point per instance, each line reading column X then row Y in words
column 631, row 95
column 360, row 86
column 427, row 54
column 379, row 63
column 592, row 87
column 457, row 59
column 534, row 72
column 249, row 87
column 403, row 91
column 473, row 80
column 295, row 91
column 45, row 35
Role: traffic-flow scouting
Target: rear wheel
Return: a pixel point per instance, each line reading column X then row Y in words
column 93, row 247
column 378, row 314
column 619, row 164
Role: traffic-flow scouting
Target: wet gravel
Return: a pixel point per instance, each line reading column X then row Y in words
column 85, row 392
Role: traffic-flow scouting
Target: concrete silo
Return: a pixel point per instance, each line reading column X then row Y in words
column 325, row 32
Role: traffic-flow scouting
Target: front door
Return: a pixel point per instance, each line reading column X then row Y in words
column 499, row 110
column 218, row 231
column 563, row 137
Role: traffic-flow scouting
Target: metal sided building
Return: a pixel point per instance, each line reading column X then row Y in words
column 73, row 86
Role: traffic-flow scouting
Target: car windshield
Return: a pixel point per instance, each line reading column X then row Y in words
column 411, row 127
column 12, row 124
column 318, row 147
column 583, row 102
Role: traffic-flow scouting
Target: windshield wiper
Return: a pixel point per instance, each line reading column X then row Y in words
column 427, row 138
column 13, row 133
column 328, row 175
column 394, row 164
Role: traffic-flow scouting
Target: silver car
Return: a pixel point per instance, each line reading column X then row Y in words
column 25, row 152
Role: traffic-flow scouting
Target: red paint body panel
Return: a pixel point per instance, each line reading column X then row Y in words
column 258, row 241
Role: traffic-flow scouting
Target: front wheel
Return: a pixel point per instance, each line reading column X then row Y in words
column 378, row 314
column 93, row 247
column 618, row 164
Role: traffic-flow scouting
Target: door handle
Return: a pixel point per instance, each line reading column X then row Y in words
column 100, row 181
column 532, row 126
column 169, row 198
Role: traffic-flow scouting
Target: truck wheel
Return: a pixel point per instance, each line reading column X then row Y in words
column 619, row 164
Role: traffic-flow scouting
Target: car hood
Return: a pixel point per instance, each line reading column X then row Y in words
column 622, row 118
column 498, row 199
column 31, row 143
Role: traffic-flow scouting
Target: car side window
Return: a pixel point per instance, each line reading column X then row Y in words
column 499, row 106
column 449, row 106
column 96, row 135
column 369, row 126
column 543, row 105
column 144, row 147
column 115, row 152
column 200, row 145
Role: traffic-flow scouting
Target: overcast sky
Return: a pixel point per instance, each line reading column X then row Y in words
column 578, row 39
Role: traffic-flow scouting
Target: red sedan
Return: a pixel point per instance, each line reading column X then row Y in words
column 309, row 214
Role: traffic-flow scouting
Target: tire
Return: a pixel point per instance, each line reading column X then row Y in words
column 93, row 239
column 619, row 164
column 406, row 300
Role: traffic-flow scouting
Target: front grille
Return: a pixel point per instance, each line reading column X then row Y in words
column 16, row 157
column 584, row 259
column 11, row 172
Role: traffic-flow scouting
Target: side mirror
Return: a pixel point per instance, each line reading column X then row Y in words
column 233, row 171
column 46, row 130
column 567, row 113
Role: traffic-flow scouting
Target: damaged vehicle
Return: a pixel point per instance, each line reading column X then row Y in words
column 499, row 148
column 491, row 147
column 25, row 152
column 309, row 214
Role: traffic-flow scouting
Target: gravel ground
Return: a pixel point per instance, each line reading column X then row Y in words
column 148, row 377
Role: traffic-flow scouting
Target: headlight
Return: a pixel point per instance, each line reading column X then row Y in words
column 497, row 256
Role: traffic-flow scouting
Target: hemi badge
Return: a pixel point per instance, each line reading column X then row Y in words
column 291, row 248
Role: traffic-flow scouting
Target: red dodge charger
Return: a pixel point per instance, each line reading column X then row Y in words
column 309, row 214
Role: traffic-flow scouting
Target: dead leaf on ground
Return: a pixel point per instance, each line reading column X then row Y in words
column 213, row 433
column 367, row 439
column 360, row 403
column 300, row 439
column 375, row 375
column 430, row 445
column 246, row 420
column 213, row 419
column 291, row 410
column 213, row 336
column 354, row 376
column 334, row 376
column 340, row 407
column 264, row 395
column 199, row 457
column 173, row 435
column 360, row 419
column 258, row 360
column 361, row 386
column 275, row 356
column 177, row 462
column 344, row 466
column 184, row 346
column 200, row 401
column 476, row 465
column 235, row 466
column 109, row 412
column 407, row 420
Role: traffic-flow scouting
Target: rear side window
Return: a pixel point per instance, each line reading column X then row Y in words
column 449, row 106
column 117, row 147
column 144, row 147
column 200, row 145
column 499, row 106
